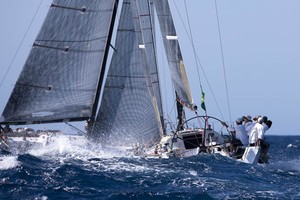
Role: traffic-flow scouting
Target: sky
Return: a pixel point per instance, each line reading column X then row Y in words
column 260, row 40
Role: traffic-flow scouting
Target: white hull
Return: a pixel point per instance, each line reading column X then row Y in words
column 196, row 141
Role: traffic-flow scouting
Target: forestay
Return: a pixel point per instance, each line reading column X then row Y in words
column 60, row 77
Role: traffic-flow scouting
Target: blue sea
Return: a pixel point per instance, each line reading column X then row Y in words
column 72, row 171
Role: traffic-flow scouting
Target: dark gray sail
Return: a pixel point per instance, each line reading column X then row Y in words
column 173, row 53
column 143, row 11
column 60, row 78
column 127, row 114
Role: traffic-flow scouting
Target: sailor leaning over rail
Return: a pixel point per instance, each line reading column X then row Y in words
column 240, row 136
column 249, row 124
column 257, row 135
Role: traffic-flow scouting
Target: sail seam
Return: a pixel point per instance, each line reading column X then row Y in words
column 131, row 30
column 118, row 76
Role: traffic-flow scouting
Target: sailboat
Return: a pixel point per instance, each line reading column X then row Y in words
column 74, row 73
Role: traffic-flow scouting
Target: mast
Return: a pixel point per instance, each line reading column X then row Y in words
column 103, row 68
column 180, row 115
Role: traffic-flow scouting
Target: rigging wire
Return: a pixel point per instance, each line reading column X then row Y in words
column 201, row 66
column 192, row 42
column 194, row 52
column 223, row 61
column 19, row 47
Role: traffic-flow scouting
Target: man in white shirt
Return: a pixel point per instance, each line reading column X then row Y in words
column 248, row 124
column 256, row 134
column 256, row 138
column 241, row 133
column 240, row 138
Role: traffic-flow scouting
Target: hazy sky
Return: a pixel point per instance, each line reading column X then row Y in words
column 261, row 45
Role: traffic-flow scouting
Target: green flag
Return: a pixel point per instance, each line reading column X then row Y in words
column 202, row 101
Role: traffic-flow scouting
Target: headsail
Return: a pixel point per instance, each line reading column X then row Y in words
column 143, row 10
column 60, row 77
column 173, row 53
column 128, row 111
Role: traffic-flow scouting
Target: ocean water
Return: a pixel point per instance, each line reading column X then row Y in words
column 70, row 170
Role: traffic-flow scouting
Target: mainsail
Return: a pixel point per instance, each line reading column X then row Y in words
column 61, row 75
column 128, row 111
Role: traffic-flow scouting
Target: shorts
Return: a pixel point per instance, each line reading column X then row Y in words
column 265, row 145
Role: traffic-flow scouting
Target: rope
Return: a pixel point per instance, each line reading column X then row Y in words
column 12, row 61
column 223, row 62
column 169, row 118
column 193, row 46
column 199, row 62
column 195, row 56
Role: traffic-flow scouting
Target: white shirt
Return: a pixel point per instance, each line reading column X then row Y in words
column 241, row 134
column 249, row 126
column 256, row 133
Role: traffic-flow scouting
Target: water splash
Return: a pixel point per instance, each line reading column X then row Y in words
column 8, row 162
column 290, row 166
column 292, row 146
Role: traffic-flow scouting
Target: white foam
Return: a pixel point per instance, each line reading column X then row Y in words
column 193, row 172
column 291, row 145
column 290, row 165
column 60, row 144
column 67, row 147
column 8, row 162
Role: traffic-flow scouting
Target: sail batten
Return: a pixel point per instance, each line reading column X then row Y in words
column 61, row 73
